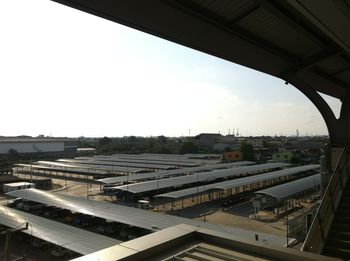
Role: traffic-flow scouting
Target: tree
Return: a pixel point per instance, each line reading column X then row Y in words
column 162, row 139
column 104, row 141
column 247, row 151
column 132, row 139
column 13, row 152
column 189, row 147
column 227, row 149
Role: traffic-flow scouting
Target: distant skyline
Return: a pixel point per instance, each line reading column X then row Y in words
column 68, row 73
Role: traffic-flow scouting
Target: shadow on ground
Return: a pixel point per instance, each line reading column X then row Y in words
column 196, row 210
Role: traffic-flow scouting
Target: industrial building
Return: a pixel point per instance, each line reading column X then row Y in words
column 32, row 146
column 8, row 187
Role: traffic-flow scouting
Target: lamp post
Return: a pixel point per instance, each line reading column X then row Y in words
column 158, row 189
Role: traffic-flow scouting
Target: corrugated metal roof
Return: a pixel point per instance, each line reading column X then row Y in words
column 124, row 164
column 286, row 39
column 270, row 27
column 175, row 172
column 77, row 240
column 230, row 184
column 131, row 216
column 199, row 177
column 145, row 160
column 29, row 168
column 227, row 9
column 291, row 188
column 170, row 157
column 92, row 167
column 33, row 140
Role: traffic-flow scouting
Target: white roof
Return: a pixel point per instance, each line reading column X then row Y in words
column 18, row 184
column 91, row 167
column 131, row 216
column 291, row 188
column 146, row 160
column 230, row 184
column 171, row 157
column 174, row 172
column 121, row 164
column 75, row 239
column 199, row 177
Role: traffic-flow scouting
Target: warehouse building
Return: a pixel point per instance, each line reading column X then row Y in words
column 32, row 146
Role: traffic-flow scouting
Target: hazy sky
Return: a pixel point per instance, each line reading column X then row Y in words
column 68, row 73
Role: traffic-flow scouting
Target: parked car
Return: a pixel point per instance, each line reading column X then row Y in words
column 77, row 220
column 96, row 221
column 12, row 203
column 124, row 234
column 20, row 205
column 39, row 243
column 70, row 217
column 30, row 206
column 62, row 213
column 59, row 251
column 48, row 211
column 108, row 228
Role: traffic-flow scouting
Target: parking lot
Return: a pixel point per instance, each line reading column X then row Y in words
column 235, row 215
column 90, row 223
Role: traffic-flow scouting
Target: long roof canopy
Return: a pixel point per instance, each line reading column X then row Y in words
column 111, row 169
column 292, row 188
column 306, row 43
column 230, row 184
column 96, row 162
column 145, row 160
column 75, row 239
column 198, row 177
column 131, row 216
column 174, row 172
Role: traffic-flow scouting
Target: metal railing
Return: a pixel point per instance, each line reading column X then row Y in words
column 317, row 235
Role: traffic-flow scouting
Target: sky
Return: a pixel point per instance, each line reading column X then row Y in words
column 66, row 73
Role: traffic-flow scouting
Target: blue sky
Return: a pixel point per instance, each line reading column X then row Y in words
column 68, row 73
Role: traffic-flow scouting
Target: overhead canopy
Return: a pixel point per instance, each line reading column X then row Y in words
column 131, row 216
column 144, row 160
column 29, row 168
column 97, row 162
column 292, row 188
column 199, row 177
column 174, row 172
column 77, row 240
column 164, row 157
column 230, row 184
column 304, row 42
column 104, row 168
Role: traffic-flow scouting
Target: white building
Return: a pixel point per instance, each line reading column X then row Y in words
column 32, row 145
column 17, row 186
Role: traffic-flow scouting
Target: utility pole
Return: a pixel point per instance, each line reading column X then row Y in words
column 287, row 231
column 8, row 238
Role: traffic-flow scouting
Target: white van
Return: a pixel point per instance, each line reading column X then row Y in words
column 144, row 204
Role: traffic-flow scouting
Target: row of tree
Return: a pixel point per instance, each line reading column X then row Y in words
column 160, row 144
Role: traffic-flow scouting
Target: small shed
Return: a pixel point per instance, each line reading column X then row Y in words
column 16, row 186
